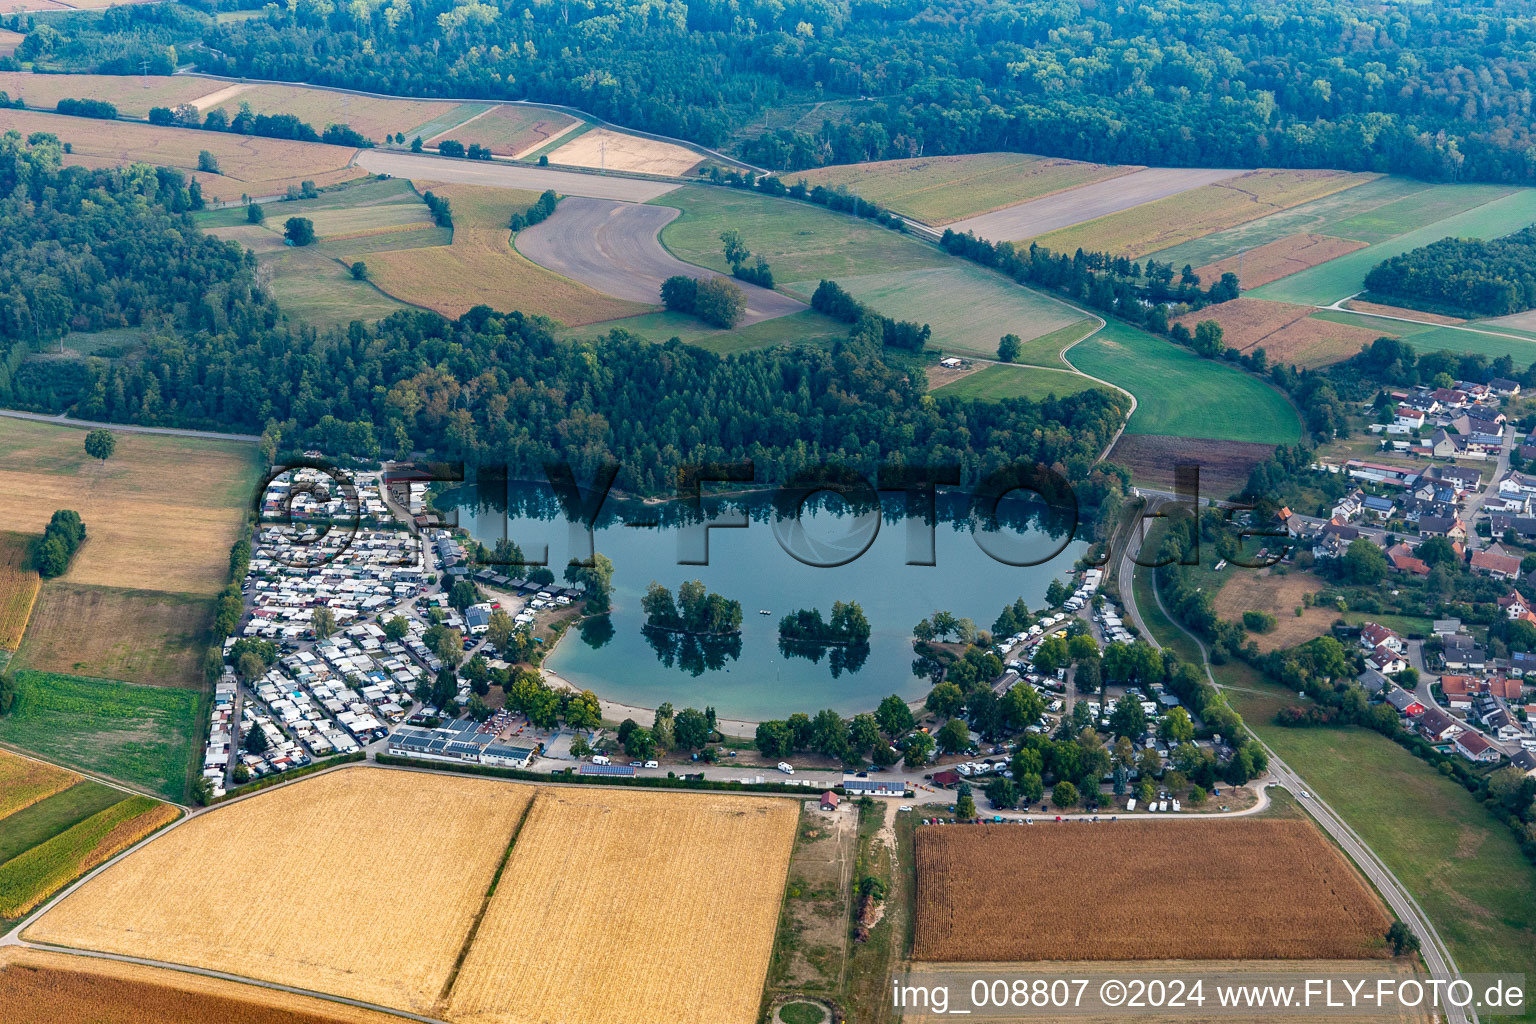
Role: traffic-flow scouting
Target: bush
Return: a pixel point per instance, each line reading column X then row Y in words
column 719, row 303
column 299, row 230
column 1259, row 622
column 207, row 162
column 99, row 109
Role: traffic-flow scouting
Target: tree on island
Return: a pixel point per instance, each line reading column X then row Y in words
column 848, row 625
column 695, row 610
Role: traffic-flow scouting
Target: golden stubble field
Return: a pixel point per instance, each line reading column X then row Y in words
column 629, row 907
column 24, row 782
column 480, row 266
column 616, row 151
column 132, row 96
column 161, row 514
column 19, row 584
column 362, row 883
column 1225, row 889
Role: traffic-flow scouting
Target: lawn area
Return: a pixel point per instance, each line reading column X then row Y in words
column 1461, row 864
column 145, row 735
column 802, row 242
column 1180, row 394
column 969, row 308
column 804, row 328
column 46, row 819
column 941, row 189
column 998, row 381
column 1337, row 279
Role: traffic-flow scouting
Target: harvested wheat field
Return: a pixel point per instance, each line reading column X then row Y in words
column 617, row 151
column 132, row 96
column 371, row 116
column 134, row 636
column 632, row 907
column 362, row 882
column 24, row 782
column 247, row 165
column 9, row 41
column 1247, row 322
column 1287, row 333
column 1164, row 223
column 480, row 266
column 161, row 514
column 1260, row 590
column 509, row 130
column 1280, row 258
column 19, row 584
column 1255, row 889
column 42, row 987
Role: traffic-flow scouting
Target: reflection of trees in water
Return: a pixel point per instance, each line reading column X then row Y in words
column 840, row 657
column 596, row 630
column 690, row 652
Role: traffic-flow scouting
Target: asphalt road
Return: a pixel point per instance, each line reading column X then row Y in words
column 1086, row 202
column 124, row 428
column 1397, row 896
column 499, row 174
column 613, row 247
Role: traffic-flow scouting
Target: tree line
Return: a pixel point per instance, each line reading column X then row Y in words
column 1469, row 276
column 1296, row 83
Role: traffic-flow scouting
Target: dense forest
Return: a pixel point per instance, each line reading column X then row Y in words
column 1463, row 275
column 1431, row 89
column 87, row 249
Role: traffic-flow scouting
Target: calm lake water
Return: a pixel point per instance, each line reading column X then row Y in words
column 749, row 676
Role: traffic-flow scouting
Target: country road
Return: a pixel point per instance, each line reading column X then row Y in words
column 62, row 420
column 1436, row 955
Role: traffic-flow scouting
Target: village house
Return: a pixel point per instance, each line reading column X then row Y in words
column 1515, row 607
column 1475, row 747
column 1452, row 528
column 1504, row 387
column 1496, row 562
column 1405, row 702
column 1437, row 726
column 1401, row 557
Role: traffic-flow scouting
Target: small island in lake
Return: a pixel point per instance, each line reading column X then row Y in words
column 806, row 626
column 695, row 610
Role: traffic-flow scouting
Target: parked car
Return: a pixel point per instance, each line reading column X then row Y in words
column 786, row 768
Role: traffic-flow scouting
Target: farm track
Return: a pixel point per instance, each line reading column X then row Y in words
column 501, row 174
column 615, row 248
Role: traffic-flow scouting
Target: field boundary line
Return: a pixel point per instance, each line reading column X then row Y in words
column 1337, row 306
column 441, row 1005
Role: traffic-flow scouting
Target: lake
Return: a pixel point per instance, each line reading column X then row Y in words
column 749, row 676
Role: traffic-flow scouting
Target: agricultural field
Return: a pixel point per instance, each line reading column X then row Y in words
column 1260, row 590
column 30, row 878
column 133, row 96
column 36, row 824
column 9, row 41
column 371, row 116
column 23, row 782
column 939, row 190
column 139, row 533
column 19, row 584
column 616, row 151
column 1179, row 394
column 1167, row 222
column 43, row 987
column 480, row 266
column 648, row 874
column 1287, row 333
column 1484, row 337
column 1340, row 278
column 508, row 130
column 967, row 307
column 136, row 636
column 1460, row 863
column 1224, row 465
column 999, row 381
column 143, row 735
column 199, row 896
column 1260, row 889
column 1277, row 259
column 248, row 166
column 804, row 328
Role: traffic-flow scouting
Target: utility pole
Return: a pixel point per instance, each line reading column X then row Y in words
column 144, row 72
column 602, row 154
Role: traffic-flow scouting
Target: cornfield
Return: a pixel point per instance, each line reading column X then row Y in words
column 31, row 877
column 633, row 907
column 24, row 782
column 18, row 590
column 1139, row 890
column 361, row 883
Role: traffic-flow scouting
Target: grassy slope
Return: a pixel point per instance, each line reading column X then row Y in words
column 1345, row 276
column 997, row 382
column 1180, row 394
column 140, row 734
column 47, row 818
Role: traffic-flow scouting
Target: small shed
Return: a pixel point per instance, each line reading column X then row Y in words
column 829, row 801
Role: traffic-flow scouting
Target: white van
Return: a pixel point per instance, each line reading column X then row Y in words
column 653, row 764
column 600, row 759
column 786, row 768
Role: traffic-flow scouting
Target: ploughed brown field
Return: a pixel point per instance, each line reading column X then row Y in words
column 1224, row 465
column 1254, row 889
column 1287, row 333
column 1280, row 258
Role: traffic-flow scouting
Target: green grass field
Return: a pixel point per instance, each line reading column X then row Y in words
column 801, row 241
column 145, row 735
column 804, row 328
column 1431, row 338
column 47, row 818
column 997, row 382
column 968, row 308
column 451, row 117
column 1345, row 276
column 1180, row 394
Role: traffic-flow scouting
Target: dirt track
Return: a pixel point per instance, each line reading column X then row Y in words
column 612, row 246
column 423, row 167
column 1074, row 206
